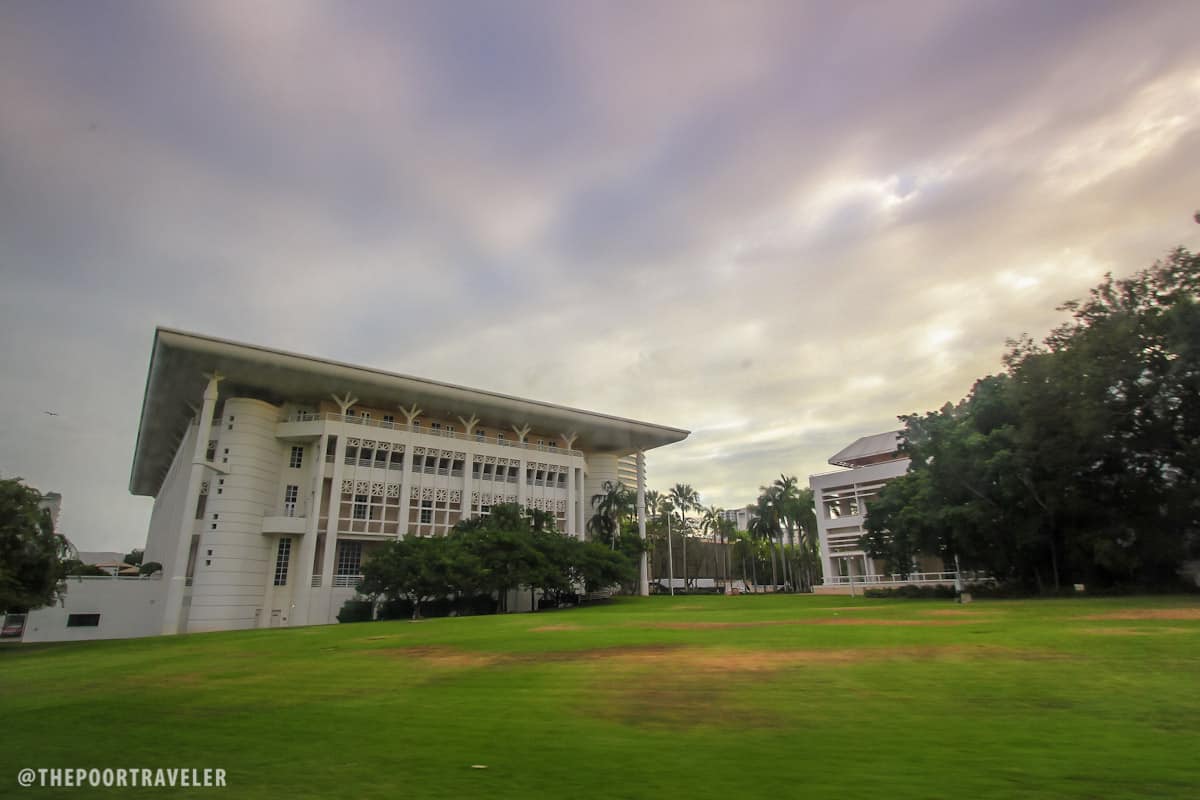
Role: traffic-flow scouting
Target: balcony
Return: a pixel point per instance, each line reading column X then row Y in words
column 308, row 425
column 291, row 519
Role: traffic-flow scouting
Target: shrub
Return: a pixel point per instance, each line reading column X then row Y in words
column 356, row 611
column 912, row 592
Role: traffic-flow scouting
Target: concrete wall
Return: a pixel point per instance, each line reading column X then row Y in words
column 234, row 556
column 166, row 541
column 128, row 607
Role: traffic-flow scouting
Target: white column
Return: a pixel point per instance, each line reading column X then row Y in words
column 522, row 493
column 573, row 528
column 643, row 564
column 331, row 528
column 301, row 571
column 406, row 483
column 467, row 508
column 580, row 506
column 173, row 602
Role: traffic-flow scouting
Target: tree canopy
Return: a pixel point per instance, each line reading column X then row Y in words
column 507, row 550
column 1079, row 462
column 30, row 550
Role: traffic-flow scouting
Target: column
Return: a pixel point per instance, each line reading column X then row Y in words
column 573, row 528
column 406, row 482
column 173, row 602
column 522, row 493
column 331, row 528
column 468, row 485
column 643, row 564
column 580, row 506
column 302, row 566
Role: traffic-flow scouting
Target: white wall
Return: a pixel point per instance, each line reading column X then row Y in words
column 232, row 563
column 128, row 607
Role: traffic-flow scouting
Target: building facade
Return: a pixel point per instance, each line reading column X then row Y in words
column 275, row 475
column 843, row 498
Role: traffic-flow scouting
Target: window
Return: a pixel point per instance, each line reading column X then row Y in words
column 349, row 558
column 297, row 458
column 499, row 437
column 426, row 512
column 449, row 429
column 365, row 415
column 389, row 419
column 282, row 556
column 416, row 424
column 360, row 506
column 290, row 494
column 83, row 620
column 476, row 469
column 480, row 435
column 437, row 426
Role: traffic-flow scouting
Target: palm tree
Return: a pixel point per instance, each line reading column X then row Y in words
column 804, row 511
column 667, row 509
column 786, row 496
column 763, row 527
column 711, row 524
column 612, row 506
column 684, row 498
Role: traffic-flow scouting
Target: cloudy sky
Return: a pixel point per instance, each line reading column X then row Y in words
column 776, row 224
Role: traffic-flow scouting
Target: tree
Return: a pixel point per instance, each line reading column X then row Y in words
column 785, row 496
column 613, row 506
column 598, row 567
column 419, row 569
column 762, row 529
column 684, row 499
column 714, row 524
column 1080, row 463
column 30, row 550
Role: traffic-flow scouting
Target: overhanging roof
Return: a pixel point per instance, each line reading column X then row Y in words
column 868, row 446
column 179, row 360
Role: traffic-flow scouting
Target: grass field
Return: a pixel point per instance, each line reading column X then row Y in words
column 700, row 697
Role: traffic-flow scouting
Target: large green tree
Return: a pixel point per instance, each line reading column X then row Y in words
column 1080, row 462
column 30, row 551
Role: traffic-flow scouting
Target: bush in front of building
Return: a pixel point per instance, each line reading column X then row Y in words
column 913, row 592
column 356, row 611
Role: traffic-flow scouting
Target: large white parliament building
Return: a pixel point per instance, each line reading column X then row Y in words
column 274, row 476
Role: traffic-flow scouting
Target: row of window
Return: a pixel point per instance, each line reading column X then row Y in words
column 347, row 561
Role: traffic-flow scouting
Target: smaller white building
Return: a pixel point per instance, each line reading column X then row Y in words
column 843, row 498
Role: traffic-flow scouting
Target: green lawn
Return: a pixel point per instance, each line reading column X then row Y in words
column 701, row 697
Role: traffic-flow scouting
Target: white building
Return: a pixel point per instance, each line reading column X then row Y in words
column 275, row 474
column 842, row 499
column 741, row 517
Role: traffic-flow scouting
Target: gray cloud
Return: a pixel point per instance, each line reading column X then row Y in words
column 777, row 225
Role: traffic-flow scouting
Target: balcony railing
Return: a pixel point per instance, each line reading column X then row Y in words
column 898, row 579
column 377, row 463
column 446, row 434
column 346, row 581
